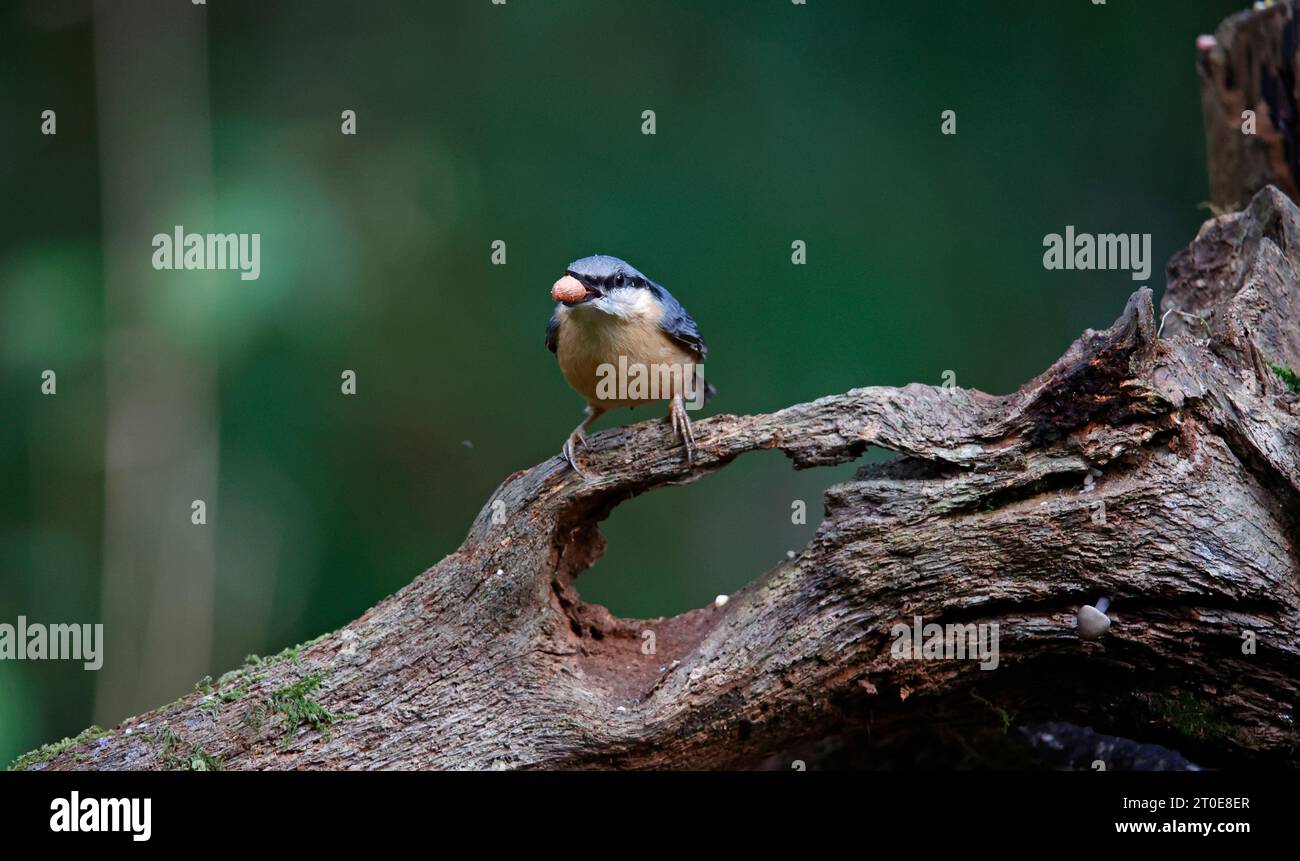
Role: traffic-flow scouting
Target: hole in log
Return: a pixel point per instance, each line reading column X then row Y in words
column 675, row 555
column 677, row 548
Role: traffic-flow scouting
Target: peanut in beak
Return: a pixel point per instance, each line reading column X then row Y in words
column 568, row 289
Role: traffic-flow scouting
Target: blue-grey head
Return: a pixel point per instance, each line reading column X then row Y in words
column 601, row 284
column 604, row 282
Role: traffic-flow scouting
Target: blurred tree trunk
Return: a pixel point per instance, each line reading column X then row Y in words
column 161, row 441
column 1251, row 105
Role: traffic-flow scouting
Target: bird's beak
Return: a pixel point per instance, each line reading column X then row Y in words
column 571, row 291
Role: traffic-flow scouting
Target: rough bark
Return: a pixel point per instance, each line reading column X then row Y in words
column 491, row 659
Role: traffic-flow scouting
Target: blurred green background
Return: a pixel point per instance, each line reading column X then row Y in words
column 519, row 122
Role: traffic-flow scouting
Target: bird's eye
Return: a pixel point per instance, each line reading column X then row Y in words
column 618, row 280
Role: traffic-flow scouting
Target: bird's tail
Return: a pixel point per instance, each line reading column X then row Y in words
column 709, row 389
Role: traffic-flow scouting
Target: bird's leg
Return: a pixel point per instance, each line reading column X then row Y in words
column 579, row 436
column 681, row 423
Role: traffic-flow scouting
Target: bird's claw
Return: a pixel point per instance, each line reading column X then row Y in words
column 681, row 423
column 569, row 451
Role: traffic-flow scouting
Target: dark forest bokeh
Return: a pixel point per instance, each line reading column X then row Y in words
column 519, row 122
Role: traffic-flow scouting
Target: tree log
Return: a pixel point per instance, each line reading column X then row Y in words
column 1162, row 472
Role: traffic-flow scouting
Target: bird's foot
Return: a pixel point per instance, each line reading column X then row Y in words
column 681, row 423
column 569, row 452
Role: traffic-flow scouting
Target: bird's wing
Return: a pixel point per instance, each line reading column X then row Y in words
column 678, row 325
column 553, row 330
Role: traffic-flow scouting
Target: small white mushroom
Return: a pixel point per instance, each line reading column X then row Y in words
column 1093, row 621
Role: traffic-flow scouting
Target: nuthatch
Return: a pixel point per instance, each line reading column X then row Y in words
column 623, row 340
